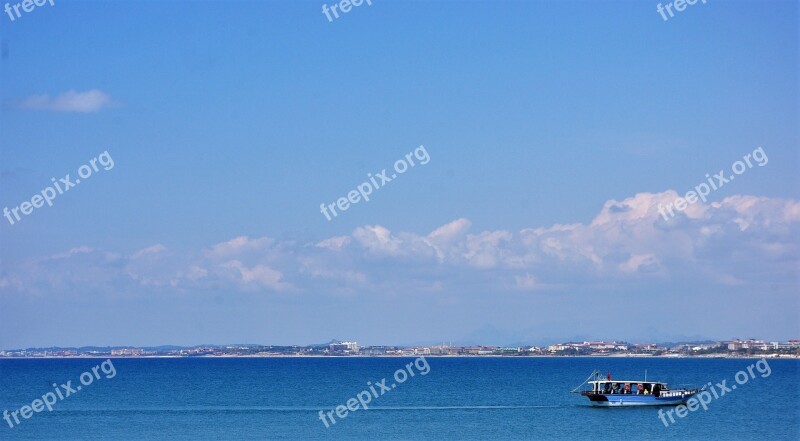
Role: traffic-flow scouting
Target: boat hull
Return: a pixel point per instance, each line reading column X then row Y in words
column 618, row 400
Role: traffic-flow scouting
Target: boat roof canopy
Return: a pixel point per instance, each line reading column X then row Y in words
column 628, row 381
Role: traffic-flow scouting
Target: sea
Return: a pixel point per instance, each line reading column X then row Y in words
column 446, row 398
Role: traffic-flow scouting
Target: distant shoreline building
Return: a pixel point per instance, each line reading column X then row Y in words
column 587, row 346
column 344, row 347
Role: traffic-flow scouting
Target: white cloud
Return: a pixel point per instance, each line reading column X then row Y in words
column 149, row 251
column 378, row 240
column 640, row 263
column 71, row 101
column 195, row 273
column 73, row 251
column 334, row 243
column 488, row 249
column 449, row 232
column 257, row 276
column 443, row 237
column 238, row 246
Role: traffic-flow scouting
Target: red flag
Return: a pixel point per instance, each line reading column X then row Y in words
column 608, row 376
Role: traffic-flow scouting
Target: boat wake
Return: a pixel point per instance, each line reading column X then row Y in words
column 206, row 409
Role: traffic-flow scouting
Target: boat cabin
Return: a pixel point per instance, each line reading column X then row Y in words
column 629, row 387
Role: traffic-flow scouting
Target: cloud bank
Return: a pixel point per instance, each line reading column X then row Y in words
column 742, row 240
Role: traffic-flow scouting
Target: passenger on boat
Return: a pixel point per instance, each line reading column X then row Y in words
column 639, row 389
column 607, row 389
column 615, row 390
column 627, row 388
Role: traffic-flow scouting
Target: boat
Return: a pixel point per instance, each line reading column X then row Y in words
column 613, row 393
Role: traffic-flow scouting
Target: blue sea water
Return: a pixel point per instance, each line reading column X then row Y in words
column 459, row 399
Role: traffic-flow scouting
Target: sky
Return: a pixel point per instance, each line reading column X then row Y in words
column 554, row 133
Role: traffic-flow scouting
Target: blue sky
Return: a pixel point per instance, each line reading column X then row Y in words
column 554, row 130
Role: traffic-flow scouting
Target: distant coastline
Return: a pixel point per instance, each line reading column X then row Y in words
column 722, row 349
column 206, row 357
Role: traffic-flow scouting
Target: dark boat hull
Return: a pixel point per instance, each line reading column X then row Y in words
column 616, row 400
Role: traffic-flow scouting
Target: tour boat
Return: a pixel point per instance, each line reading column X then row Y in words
column 608, row 392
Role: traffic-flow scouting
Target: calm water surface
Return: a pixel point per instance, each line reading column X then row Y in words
column 459, row 399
